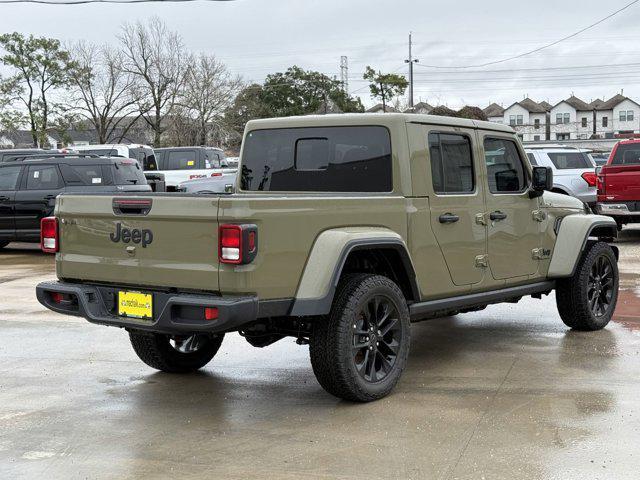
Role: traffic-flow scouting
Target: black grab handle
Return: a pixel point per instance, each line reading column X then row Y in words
column 448, row 218
column 497, row 215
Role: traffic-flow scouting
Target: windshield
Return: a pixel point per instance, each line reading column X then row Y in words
column 128, row 172
column 628, row 154
column 569, row 160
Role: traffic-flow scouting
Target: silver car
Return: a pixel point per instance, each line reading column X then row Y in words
column 573, row 171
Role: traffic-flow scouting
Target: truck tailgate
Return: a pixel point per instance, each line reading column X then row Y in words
column 176, row 244
column 620, row 183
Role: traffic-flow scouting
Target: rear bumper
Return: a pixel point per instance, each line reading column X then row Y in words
column 174, row 313
column 616, row 208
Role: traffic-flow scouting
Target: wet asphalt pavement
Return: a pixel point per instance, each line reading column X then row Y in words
column 505, row 393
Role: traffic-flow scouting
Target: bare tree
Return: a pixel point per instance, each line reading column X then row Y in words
column 103, row 92
column 155, row 56
column 209, row 89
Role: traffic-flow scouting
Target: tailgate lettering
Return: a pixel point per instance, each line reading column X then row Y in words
column 135, row 235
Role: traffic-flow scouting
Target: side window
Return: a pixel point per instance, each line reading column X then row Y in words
column 181, row 160
column 505, row 171
column 43, row 178
column 9, row 177
column 160, row 160
column 532, row 159
column 451, row 163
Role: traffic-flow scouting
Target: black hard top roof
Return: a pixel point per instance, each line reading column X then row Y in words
column 75, row 158
column 187, row 148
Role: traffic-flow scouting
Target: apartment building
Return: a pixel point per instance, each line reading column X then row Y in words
column 528, row 118
column 570, row 119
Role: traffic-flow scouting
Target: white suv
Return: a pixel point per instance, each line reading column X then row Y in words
column 573, row 170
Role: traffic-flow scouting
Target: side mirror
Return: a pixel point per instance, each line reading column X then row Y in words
column 541, row 180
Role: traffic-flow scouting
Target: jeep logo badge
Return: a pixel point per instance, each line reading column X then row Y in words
column 126, row 235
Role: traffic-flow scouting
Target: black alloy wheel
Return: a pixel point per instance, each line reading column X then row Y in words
column 377, row 335
column 600, row 286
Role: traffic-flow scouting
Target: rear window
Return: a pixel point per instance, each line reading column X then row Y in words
column 318, row 159
column 83, row 174
column 128, row 173
column 181, row 160
column 628, row 154
column 568, row 160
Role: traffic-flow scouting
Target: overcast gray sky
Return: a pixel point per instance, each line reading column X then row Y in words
column 257, row 37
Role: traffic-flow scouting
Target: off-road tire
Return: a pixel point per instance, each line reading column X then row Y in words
column 155, row 350
column 330, row 344
column 572, row 297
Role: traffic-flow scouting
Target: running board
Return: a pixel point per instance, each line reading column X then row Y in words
column 425, row 309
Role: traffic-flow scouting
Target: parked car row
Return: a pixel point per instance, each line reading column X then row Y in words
column 175, row 164
column 29, row 186
column 31, row 179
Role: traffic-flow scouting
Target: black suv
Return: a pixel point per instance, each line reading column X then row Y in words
column 29, row 186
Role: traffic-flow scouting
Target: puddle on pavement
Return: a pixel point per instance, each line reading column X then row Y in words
column 627, row 311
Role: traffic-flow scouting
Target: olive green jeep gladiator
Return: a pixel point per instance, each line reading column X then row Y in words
column 344, row 229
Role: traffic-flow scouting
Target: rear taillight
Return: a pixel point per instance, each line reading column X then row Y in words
column 237, row 244
column 49, row 241
column 590, row 178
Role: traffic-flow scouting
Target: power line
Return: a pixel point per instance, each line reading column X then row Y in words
column 82, row 2
column 535, row 50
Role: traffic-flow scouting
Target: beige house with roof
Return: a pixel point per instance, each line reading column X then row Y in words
column 528, row 118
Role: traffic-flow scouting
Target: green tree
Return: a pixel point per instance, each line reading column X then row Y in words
column 247, row 105
column 385, row 86
column 443, row 111
column 301, row 92
column 40, row 65
column 474, row 113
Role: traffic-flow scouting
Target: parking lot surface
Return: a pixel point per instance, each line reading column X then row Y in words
column 508, row 392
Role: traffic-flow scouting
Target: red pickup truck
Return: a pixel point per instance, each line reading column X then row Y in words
column 619, row 184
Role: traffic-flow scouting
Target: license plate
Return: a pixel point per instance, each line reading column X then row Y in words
column 135, row 304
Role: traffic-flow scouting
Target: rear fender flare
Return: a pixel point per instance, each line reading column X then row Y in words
column 575, row 231
column 325, row 263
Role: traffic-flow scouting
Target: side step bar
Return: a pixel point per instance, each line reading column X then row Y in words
column 421, row 310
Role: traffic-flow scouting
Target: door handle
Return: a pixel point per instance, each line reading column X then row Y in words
column 497, row 215
column 4, row 199
column 448, row 218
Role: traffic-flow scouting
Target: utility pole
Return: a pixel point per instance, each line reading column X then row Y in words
column 410, row 61
column 344, row 73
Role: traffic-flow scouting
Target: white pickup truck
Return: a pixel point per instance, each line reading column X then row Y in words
column 179, row 164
